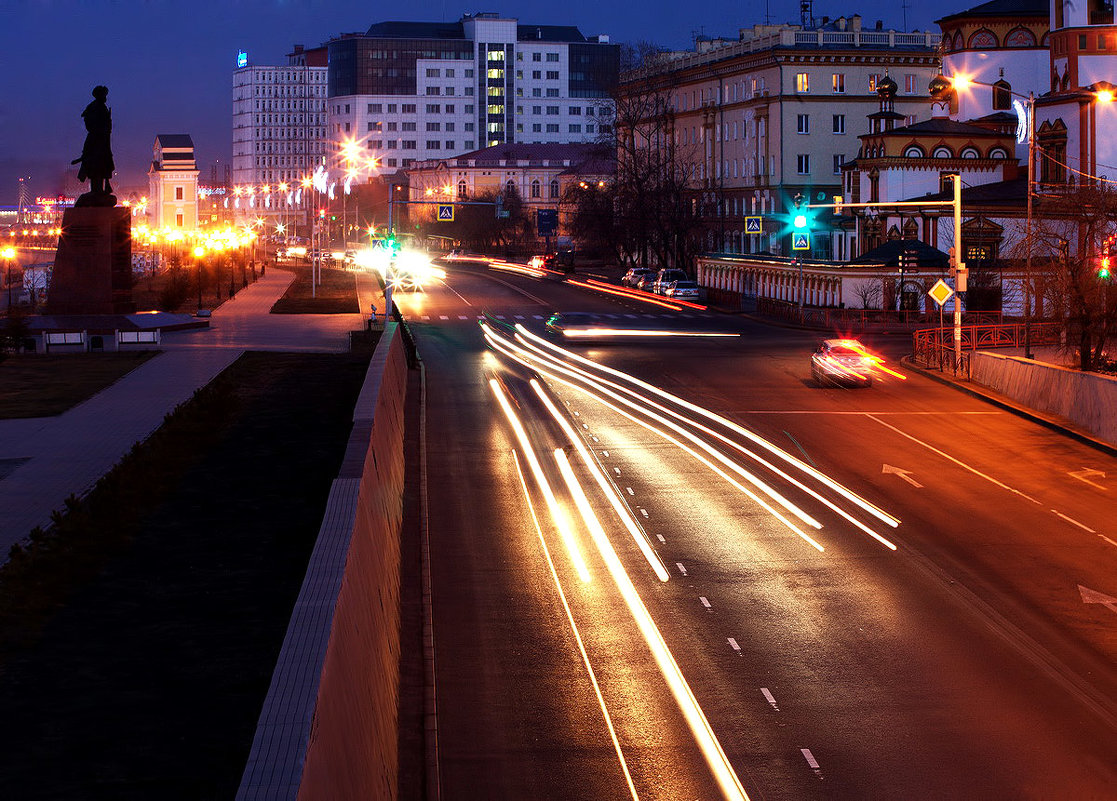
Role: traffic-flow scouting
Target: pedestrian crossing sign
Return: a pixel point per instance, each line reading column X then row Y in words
column 801, row 241
column 446, row 213
column 753, row 225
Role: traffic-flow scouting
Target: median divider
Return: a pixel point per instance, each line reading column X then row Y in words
column 328, row 727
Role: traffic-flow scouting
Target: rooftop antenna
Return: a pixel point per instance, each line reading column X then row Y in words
column 904, row 5
column 806, row 14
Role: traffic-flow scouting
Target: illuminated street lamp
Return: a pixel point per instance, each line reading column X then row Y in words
column 9, row 253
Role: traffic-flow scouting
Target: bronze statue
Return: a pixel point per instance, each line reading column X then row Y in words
column 96, row 155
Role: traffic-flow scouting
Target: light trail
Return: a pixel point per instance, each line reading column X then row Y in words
column 607, row 488
column 577, row 633
column 641, row 294
column 557, row 514
column 509, row 350
column 611, row 290
column 638, row 332
column 644, row 402
column 724, row 774
column 818, row 475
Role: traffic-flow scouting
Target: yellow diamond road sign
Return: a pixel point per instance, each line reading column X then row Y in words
column 940, row 292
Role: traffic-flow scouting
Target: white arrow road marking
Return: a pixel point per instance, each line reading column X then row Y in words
column 771, row 699
column 1094, row 597
column 904, row 474
column 1086, row 473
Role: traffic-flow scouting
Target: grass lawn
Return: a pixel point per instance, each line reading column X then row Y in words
column 137, row 639
column 33, row 385
column 336, row 294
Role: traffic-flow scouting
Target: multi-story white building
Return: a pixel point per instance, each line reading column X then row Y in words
column 279, row 134
column 774, row 114
column 411, row 91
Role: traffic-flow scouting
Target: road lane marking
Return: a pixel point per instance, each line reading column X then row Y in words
column 585, row 425
column 617, row 470
column 958, row 462
column 1107, row 539
column 443, row 317
column 705, row 602
column 661, row 539
column 501, row 317
column 771, row 699
column 576, row 414
column 464, row 317
column 519, row 317
column 807, row 755
column 426, row 316
column 537, row 316
column 629, row 491
column 595, row 439
column 1082, row 474
column 734, row 646
column 605, row 453
column 681, row 568
column 644, row 512
column 577, row 634
column 1072, row 521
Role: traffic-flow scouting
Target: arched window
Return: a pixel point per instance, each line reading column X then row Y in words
column 982, row 40
column 942, row 153
column 1020, row 37
column 957, row 41
column 463, row 189
column 913, row 152
column 970, row 153
column 554, row 189
column 1002, row 95
column 998, row 153
column 946, row 40
column 536, row 188
column 510, row 187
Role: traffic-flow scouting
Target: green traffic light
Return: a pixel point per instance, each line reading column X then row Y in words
column 799, row 221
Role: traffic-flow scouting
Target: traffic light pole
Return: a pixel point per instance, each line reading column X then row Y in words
column 959, row 268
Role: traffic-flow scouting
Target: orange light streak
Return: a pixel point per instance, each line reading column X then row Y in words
column 616, row 291
column 639, row 293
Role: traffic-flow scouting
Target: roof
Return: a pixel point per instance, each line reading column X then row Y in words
column 889, row 253
column 174, row 141
column 548, row 151
column 456, row 30
column 943, row 127
column 1001, row 193
column 1003, row 8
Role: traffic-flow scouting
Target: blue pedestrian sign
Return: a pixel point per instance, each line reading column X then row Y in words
column 446, row 213
column 800, row 241
column 753, row 225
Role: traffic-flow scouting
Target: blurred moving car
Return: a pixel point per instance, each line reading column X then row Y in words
column 561, row 322
column 665, row 278
column 683, row 290
column 635, row 275
column 842, row 361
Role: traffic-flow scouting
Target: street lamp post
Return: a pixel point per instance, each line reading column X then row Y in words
column 1028, row 227
column 9, row 253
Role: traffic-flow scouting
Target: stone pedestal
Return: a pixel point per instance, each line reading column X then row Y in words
column 93, row 265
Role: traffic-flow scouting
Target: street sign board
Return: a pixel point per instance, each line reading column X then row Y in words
column 446, row 213
column 547, row 222
column 754, row 225
column 940, row 292
column 800, row 241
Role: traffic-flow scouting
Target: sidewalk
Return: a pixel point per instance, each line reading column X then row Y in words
column 44, row 460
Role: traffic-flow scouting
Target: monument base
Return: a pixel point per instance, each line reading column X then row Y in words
column 93, row 265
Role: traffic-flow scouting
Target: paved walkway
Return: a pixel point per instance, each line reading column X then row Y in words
column 44, row 460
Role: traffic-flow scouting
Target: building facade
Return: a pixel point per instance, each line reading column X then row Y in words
column 414, row 91
column 279, row 135
column 173, row 184
column 774, row 114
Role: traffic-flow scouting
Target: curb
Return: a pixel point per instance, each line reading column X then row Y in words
column 1046, row 421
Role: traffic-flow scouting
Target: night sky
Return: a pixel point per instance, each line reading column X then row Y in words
column 168, row 65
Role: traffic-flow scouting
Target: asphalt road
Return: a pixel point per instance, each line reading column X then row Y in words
column 943, row 632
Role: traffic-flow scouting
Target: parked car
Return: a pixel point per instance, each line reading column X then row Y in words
column 635, row 275
column 683, row 290
column 664, row 278
column 842, row 361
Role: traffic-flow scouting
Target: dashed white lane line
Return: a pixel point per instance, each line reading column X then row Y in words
column 661, row 539
column 426, row 316
column 463, row 317
column 577, row 414
column 519, row 316
column 644, row 512
column 605, row 453
column 501, row 317
column 771, row 699
column 807, row 755
column 443, row 317
column 595, row 439
column 734, row 646
column 682, row 568
column 584, row 425
column 1072, row 521
column 704, row 601
column 629, row 491
column 1107, row 539
column 617, row 470
column 537, row 316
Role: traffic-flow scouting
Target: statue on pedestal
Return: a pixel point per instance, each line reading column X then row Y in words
column 96, row 154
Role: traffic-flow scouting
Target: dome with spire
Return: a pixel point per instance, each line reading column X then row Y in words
column 887, row 88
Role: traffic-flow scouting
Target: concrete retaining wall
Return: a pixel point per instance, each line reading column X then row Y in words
column 328, row 728
column 1086, row 399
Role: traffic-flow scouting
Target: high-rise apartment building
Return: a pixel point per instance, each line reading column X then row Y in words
column 279, row 132
column 408, row 91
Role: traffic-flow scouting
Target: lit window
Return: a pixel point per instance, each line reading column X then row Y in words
column 802, row 82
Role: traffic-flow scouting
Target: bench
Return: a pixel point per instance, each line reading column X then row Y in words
column 137, row 337
column 63, row 339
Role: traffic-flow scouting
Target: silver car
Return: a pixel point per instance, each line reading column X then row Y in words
column 683, row 290
column 844, row 362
